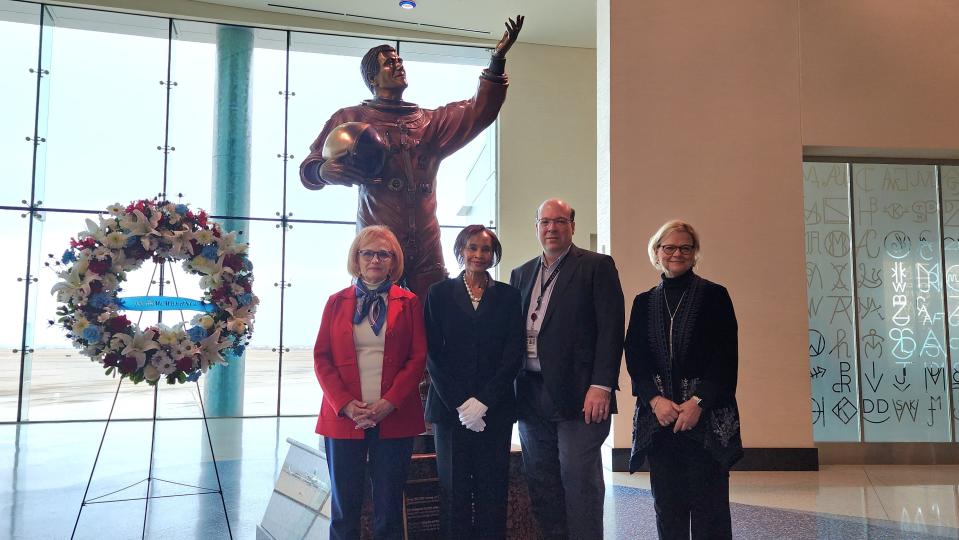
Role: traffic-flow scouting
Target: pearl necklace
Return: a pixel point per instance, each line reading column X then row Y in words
column 469, row 291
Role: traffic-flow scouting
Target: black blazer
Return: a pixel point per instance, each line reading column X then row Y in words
column 473, row 352
column 580, row 341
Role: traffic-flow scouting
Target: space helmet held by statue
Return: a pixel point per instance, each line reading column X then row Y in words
column 358, row 144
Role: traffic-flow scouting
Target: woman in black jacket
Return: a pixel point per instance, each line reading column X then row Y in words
column 474, row 329
column 682, row 354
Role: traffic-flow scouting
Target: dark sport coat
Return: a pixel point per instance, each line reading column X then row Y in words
column 580, row 342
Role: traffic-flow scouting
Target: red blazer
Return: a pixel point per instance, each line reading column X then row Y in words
column 404, row 359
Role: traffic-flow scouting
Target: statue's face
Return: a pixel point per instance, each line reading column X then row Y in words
column 392, row 74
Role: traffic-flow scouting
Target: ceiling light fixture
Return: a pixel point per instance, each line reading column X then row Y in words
column 407, row 4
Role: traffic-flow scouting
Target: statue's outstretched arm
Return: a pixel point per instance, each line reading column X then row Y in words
column 497, row 64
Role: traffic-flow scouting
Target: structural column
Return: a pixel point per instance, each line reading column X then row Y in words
column 231, row 182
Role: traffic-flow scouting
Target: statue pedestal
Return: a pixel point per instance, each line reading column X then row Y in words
column 299, row 506
column 422, row 503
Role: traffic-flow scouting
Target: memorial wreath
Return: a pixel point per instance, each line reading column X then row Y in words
column 96, row 264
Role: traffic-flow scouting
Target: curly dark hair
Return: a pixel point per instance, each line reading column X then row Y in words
column 464, row 237
column 370, row 65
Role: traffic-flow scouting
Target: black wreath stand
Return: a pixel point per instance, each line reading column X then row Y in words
column 150, row 478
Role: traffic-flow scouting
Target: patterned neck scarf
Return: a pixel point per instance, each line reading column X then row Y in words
column 370, row 304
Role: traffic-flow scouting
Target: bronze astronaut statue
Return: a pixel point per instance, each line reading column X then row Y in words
column 392, row 149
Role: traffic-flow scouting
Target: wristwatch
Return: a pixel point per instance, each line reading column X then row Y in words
column 698, row 400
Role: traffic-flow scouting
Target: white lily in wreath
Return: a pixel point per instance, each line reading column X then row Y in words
column 75, row 285
column 137, row 224
column 137, row 345
column 178, row 242
column 209, row 349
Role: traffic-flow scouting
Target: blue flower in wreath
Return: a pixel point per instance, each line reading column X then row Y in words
column 193, row 377
column 210, row 252
column 99, row 300
column 247, row 265
column 92, row 333
column 68, row 257
column 182, row 209
column 238, row 350
column 132, row 241
column 197, row 333
column 245, row 299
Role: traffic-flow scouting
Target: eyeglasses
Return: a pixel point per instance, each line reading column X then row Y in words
column 368, row 255
column 685, row 249
column 559, row 222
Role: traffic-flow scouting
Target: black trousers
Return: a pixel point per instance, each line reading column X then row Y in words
column 474, row 475
column 690, row 490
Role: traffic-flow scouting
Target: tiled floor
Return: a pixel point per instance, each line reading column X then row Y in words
column 49, row 464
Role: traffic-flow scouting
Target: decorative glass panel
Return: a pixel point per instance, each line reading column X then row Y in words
column 19, row 41
column 949, row 178
column 829, row 281
column 899, row 285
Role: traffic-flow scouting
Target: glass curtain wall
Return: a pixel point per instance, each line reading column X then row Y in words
column 881, row 331
column 103, row 107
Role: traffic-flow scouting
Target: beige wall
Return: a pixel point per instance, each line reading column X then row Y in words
column 713, row 106
column 547, row 144
column 881, row 75
column 705, row 127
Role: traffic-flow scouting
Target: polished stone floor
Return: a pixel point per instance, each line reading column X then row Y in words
column 48, row 465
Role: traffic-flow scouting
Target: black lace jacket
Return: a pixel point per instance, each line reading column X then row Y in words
column 704, row 363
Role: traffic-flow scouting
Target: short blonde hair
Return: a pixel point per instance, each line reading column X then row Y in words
column 369, row 234
column 674, row 225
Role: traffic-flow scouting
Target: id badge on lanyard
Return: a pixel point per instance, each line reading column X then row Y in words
column 531, row 343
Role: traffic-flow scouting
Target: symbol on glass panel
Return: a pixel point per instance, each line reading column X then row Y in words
column 952, row 278
column 878, row 406
column 817, row 343
column 927, row 277
column 869, row 306
column 817, row 373
column 845, row 380
column 814, row 304
column 843, row 305
column 870, row 279
column 837, row 243
column 844, row 410
column 935, row 404
column 897, row 244
column 812, row 214
column 903, row 406
column 903, row 345
column 901, row 384
column 841, row 270
column 867, row 208
column 868, row 245
column 932, row 348
column 950, row 213
column 818, row 410
column 872, row 346
column 835, row 210
column 935, row 375
column 924, row 209
column 813, row 274
column 841, row 341
column 869, row 380
column 955, row 379
column 812, row 243
column 894, row 210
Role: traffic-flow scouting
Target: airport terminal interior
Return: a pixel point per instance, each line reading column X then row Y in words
column 813, row 143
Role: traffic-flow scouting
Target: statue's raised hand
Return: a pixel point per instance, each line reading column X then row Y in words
column 509, row 36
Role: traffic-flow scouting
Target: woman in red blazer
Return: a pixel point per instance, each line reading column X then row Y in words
column 369, row 358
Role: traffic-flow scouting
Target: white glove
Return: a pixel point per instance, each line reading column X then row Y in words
column 477, row 426
column 472, row 410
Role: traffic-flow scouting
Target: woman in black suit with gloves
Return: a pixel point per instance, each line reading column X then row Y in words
column 474, row 329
